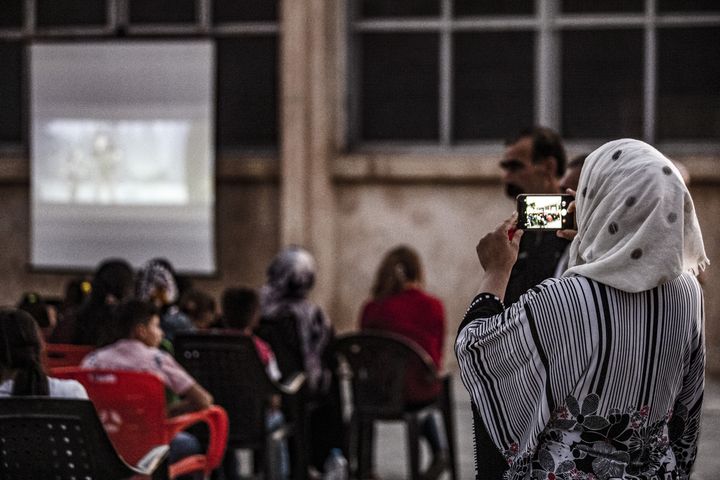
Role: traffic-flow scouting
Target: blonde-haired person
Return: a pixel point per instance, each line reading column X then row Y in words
column 600, row 373
column 400, row 305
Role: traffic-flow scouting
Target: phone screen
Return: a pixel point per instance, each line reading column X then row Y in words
column 544, row 212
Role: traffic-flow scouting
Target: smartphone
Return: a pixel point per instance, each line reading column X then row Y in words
column 542, row 211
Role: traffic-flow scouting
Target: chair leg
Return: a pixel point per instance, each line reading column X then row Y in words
column 162, row 472
column 413, row 442
column 449, row 421
column 365, row 448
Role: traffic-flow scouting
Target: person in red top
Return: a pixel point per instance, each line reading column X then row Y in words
column 399, row 305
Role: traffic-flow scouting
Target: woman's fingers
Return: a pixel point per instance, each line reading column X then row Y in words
column 566, row 234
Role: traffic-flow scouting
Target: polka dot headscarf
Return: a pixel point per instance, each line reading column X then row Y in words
column 637, row 227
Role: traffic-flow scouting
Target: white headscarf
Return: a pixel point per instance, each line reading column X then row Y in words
column 637, row 227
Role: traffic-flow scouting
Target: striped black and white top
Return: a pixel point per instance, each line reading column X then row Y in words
column 578, row 380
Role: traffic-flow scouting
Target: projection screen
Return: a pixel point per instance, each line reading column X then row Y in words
column 122, row 153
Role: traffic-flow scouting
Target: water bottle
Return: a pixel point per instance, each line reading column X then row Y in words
column 336, row 466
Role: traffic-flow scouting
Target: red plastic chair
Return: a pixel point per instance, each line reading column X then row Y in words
column 131, row 406
column 65, row 355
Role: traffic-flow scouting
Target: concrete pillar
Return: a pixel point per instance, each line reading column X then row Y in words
column 307, row 91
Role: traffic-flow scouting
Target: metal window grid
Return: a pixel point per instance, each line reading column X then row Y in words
column 547, row 23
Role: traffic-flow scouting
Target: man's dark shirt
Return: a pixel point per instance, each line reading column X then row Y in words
column 538, row 256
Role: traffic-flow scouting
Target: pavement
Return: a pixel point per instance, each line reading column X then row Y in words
column 390, row 453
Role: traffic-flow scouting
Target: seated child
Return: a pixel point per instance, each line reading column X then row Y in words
column 137, row 349
column 200, row 308
column 241, row 313
column 44, row 313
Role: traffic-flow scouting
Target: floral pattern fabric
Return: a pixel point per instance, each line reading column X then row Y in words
column 578, row 444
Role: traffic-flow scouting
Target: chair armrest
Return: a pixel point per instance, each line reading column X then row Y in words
column 292, row 384
column 217, row 421
column 152, row 460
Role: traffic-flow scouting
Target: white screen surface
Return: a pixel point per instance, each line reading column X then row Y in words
column 122, row 157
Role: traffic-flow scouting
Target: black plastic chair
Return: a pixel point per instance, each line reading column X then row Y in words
column 228, row 366
column 63, row 439
column 379, row 366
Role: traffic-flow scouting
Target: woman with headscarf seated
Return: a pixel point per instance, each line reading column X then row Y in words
column 598, row 374
column 299, row 333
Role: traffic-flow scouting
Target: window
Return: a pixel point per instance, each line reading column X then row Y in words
column 246, row 34
column 469, row 72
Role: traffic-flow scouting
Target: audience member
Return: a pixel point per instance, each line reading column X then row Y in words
column 200, row 308
column 241, row 312
column 21, row 368
column 399, row 305
column 111, row 284
column 533, row 162
column 139, row 335
column 77, row 291
column 156, row 284
column 42, row 312
column 599, row 374
column 299, row 333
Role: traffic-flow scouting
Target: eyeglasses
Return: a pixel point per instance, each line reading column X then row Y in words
column 512, row 165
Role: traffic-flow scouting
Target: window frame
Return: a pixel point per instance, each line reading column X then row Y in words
column 118, row 26
column 547, row 24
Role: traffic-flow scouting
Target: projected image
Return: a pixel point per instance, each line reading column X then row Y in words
column 544, row 212
column 117, row 163
column 122, row 153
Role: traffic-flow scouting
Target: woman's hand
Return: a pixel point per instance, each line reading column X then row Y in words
column 498, row 250
column 568, row 234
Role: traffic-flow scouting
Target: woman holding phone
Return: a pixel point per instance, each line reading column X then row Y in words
column 598, row 374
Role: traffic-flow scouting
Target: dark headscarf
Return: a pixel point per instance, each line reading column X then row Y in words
column 290, row 277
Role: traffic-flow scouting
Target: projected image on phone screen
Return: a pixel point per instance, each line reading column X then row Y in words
column 117, row 163
column 544, row 212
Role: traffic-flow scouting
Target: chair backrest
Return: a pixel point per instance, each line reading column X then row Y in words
column 228, row 366
column 45, row 437
column 65, row 354
column 382, row 367
column 131, row 406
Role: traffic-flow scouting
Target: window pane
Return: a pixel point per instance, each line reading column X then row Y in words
column 399, row 91
column 247, row 91
column 688, row 5
column 602, row 6
column 12, row 14
column 245, row 10
column 488, row 7
column 688, row 83
column 11, row 92
column 602, row 84
column 493, row 84
column 162, row 11
column 399, row 8
column 60, row 13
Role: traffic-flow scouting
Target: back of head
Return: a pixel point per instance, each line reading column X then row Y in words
column 400, row 266
column 130, row 314
column 76, row 291
column 35, row 305
column 239, row 307
column 637, row 227
column 20, row 352
column 546, row 142
column 112, row 282
column 154, row 278
column 291, row 274
column 195, row 303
